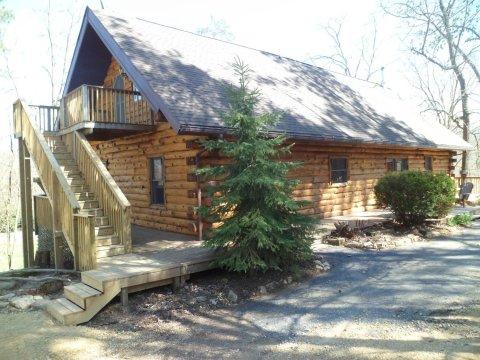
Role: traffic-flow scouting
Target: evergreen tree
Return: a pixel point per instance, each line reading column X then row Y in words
column 261, row 227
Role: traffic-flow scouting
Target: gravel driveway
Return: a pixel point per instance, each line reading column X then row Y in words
column 421, row 301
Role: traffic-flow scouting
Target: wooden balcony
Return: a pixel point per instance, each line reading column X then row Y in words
column 102, row 113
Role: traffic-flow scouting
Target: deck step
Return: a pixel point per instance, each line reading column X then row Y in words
column 88, row 204
column 72, row 173
column 85, row 195
column 92, row 211
column 71, row 167
column 107, row 240
column 63, row 156
column 80, row 188
column 59, row 149
column 101, row 220
column 63, row 310
column 110, row 250
column 80, row 294
column 76, row 181
column 104, row 230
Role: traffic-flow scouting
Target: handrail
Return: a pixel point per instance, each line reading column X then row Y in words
column 61, row 197
column 114, row 203
column 46, row 117
column 89, row 103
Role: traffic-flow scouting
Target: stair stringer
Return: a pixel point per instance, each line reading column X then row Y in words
column 109, row 289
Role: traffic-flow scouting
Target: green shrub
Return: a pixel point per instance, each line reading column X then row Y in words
column 465, row 219
column 414, row 196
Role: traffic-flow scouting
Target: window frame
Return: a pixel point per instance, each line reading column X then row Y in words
column 430, row 162
column 395, row 161
column 152, row 180
column 346, row 169
column 136, row 97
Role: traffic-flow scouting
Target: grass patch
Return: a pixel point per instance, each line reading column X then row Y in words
column 465, row 219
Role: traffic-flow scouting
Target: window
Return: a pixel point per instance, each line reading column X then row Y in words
column 157, row 177
column 397, row 164
column 137, row 96
column 338, row 170
column 428, row 163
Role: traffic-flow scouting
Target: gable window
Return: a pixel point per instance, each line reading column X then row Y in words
column 137, row 96
column 397, row 164
column 338, row 170
column 157, row 181
column 428, row 163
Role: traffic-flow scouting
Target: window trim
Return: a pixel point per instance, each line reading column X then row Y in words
column 395, row 161
column 136, row 97
column 151, row 162
column 347, row 169
column 430, row 158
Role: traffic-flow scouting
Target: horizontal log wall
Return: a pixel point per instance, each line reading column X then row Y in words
column 129, row 164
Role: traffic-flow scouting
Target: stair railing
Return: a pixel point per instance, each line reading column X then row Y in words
column 109, row 195
column 62, row 199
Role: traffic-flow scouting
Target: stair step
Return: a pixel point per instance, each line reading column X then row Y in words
column 63, row 310
column 110, row 250
column 79, row 188
column 63, row 156
column 103, row 230
column 72, row 173
column 72, row 167
column 107, row 240
column 82, row 196
column 88, row 204
column 75, row 181
column 59, row 149
column 80, row 294
column 101, row 220
column 66, row 162
column 96, row 212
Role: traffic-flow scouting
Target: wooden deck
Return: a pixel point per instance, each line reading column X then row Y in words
column 158, row 258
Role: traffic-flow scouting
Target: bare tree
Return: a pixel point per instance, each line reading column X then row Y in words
column 444, row 34
column 360, row 63
column 218, row 29
column 58, row 52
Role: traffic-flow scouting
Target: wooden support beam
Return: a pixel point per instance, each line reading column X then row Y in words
column 124, row 296
column 26, row 204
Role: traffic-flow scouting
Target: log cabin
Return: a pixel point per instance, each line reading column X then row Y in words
column 121, row 147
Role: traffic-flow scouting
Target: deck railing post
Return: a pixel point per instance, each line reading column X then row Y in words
column 85, row 103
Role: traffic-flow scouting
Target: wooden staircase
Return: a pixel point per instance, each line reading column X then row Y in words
column 107, row 242
column 83, row 300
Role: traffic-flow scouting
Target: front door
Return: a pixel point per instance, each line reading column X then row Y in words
column 119, row 84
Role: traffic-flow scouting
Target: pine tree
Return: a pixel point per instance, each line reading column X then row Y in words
column 261, row 227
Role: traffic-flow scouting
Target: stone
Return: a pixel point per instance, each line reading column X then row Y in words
column 7, row 284
column 232, row 297
column 289, row 279
column 201, row 298
column 272, row 285
column 368, row 245
column 214, row 301
column 262, row 290
column 326, row 266
column 40, row 304
column 7, row 297
column 319, row 267
column 336, row 241
column 22, row 302
column 37, row 297
column 51, row 287
column 3, row 304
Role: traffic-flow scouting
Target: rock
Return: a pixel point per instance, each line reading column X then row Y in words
column 22, row 302
column 214, row 301
column 289, row 279
column 368, row 245
column 7, row 284
column 3, row 304
column 40, row 304
column 336, row 241
column 319, row 267
column 7, row 297
column 37, row 297
column 426, row 233
column 262, row 290
column 354, row 244
column 51, row 287
column 326, row 266
column 271, row 286
column 201, row 298
column 224, row 280
column 232, row 297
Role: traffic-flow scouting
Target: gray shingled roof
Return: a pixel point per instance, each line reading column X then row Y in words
column 186, row 76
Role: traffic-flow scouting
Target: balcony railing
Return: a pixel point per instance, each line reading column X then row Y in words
column 103, row 105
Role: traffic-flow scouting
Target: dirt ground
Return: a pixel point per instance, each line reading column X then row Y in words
column 200, row 323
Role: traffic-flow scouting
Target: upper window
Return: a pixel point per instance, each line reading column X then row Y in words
column 157, row 181
column 428, row 163
column 397, row 164
column 338, row 170
column 137, row 96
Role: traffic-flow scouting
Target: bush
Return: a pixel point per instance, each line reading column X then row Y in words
column 414, row 196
